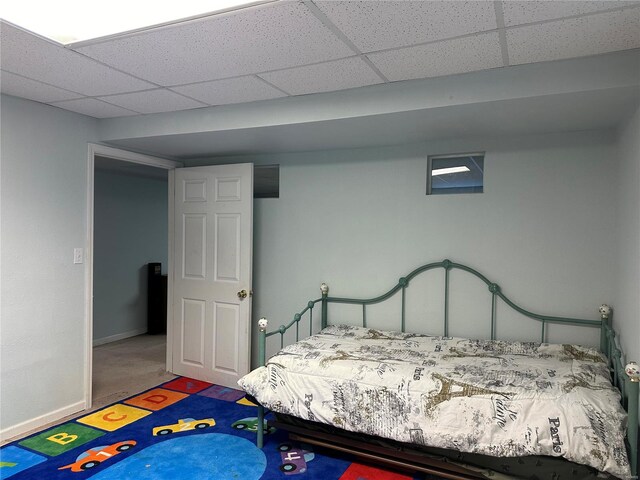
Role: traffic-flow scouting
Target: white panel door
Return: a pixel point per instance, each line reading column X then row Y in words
column 212, row 247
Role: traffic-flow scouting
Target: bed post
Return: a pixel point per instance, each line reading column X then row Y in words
column 324, row 289
column 605, row 312
column 262, row 346
column 633, row 387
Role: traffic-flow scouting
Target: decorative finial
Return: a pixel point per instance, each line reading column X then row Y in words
column 262, row 324
column 324, row 289
column 605, row 310
column 633, row 371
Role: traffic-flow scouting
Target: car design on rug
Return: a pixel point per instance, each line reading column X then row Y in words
column 294, row 459
column 251, row 424
column 96, row 455
column 183, row 425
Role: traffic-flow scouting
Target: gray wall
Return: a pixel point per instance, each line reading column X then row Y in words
column 626, row 237
column 545, row 229
column 43, row 201
column 359, row 219
column 130, row 230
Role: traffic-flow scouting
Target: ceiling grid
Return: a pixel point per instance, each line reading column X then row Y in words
column 497, row 5
column 288, row 48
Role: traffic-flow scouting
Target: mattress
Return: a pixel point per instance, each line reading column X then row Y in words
column 497, row 398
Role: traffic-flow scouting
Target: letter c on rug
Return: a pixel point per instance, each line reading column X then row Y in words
column 106, row 418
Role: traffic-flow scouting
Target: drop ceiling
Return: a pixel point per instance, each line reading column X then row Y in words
column 289, row 48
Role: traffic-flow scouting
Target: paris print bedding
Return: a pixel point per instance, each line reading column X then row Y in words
column 496, row 398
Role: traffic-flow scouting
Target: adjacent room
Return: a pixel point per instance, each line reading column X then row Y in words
column 129, row 283
column 252, row 153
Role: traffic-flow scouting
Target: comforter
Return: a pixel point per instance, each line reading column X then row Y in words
column 497, row 398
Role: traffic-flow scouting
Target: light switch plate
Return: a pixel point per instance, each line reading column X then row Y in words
column 77, row 255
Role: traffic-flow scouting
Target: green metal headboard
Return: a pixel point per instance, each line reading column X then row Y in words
column 626, row 379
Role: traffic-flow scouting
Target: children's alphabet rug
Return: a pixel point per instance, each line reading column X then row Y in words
column 182, row 429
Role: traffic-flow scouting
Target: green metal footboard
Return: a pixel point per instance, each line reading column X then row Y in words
column 625, row 379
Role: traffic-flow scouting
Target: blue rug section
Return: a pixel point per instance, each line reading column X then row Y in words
column 15, row 459
column 219, row 452
column 208, row 455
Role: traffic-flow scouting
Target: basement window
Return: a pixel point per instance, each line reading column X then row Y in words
column 459, row 173
column 266, row 181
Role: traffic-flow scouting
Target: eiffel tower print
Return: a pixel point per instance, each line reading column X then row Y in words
column 454, row 389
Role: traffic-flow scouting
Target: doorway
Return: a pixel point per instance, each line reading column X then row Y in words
column 127, row 229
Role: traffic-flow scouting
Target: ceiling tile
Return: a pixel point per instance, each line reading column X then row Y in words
column 519, row 12
column 94, row 108
column 34, row 57
column 33, row 90
column 324, row 77
column 233, row 90
column 576, row 37
column 468, row 54
column 375, row 26
column 268, row 37
column 153, row 101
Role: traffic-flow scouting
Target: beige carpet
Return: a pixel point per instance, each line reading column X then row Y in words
column 126, row 367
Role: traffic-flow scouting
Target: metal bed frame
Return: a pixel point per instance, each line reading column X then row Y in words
column 626, row 379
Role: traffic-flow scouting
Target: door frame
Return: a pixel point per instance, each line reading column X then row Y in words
column 94, row 150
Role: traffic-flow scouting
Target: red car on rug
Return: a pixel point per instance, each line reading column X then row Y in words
column 96, row 455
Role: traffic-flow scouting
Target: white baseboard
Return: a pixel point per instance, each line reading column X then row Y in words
column 119, row 336
column 39, row 422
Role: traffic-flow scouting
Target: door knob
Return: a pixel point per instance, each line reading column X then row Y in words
column 242, row 294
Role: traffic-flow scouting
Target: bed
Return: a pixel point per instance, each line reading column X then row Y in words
column 453, row 406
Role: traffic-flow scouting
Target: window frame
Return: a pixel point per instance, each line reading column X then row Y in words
column 429, row 177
